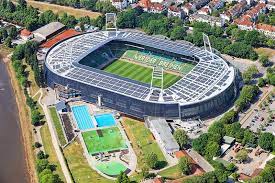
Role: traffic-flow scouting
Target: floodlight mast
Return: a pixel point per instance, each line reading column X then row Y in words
column 206, row 42
column 110, row 24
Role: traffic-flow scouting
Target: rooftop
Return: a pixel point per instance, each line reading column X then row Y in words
column 49, row 29
column 25, row 32
column 164, row 131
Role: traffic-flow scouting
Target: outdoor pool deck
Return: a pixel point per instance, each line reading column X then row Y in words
column 82, row 117
column 105, row 120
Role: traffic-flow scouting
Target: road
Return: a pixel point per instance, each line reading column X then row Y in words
column 59, row 154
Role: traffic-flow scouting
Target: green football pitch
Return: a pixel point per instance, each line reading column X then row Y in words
column 104, row 140
column 139, row 73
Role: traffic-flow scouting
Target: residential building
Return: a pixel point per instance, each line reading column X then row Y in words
column 26, row 35
column 266, row 29
column 200, row 3
column 235, row 11
column 189, row 8
column 150, row 7
column 174, row 11
column 119, row 4
column 216, row 4
column 254, row 12
column 204, row 10
column 244, row 23
column 208, row 19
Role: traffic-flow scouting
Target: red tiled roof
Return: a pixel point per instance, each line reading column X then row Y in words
column 265, row 27
column 174, row 8
column 25, row 32
column 145, row 3
column 188, row 6
column 244, row 22
column 157, row 6
column 62, row 36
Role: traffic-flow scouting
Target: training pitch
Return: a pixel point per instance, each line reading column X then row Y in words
column 104, row 140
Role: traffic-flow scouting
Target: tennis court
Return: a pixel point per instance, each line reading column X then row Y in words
column 104, row 140
column 82, row 117
column 112, row 168
column 104, row 120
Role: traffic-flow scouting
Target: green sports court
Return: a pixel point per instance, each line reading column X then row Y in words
column 104, row 140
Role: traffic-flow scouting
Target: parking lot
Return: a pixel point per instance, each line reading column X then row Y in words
column 262, row 119
column 256, row 156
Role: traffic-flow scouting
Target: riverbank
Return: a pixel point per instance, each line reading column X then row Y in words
column 24, row 118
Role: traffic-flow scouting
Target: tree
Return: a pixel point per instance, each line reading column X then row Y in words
column 181, row 137
column 261, row 82
column 35, row 116
column 41, row 164
column 178, row 33
column 152, row 160
column 266, row 140
column 264, row 60
column 123, row 178
column 185, row 165
column 242, row 155
column 200, row 143
column 41, row 155
column 13, row 32
column 37, row 145
column 249, row 138
column 229, row 117
column 217, row 128
column 212, row 149
column 8, row 42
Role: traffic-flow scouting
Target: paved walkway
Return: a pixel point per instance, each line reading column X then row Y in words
column 59, row 154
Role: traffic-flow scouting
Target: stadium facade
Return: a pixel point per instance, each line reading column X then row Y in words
column 209, row 87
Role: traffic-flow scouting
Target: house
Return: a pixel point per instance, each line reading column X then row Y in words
column 156, row 8
column 26, row 35
column 61, row 106
column 213, row 21
column 254, row 12
column 174, row 11
column 205, row 10
column 244, row 23
column 235, row 11
column 266, row 29
column 119, row 4
column 216, row 4
column 188, row 8
column 150, row 7
column 200, row 3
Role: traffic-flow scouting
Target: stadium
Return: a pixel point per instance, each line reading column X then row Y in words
column 141, row 75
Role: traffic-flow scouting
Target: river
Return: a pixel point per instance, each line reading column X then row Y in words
column 12, row 163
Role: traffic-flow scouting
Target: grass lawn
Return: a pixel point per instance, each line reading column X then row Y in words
column 79, row 167
column 58, row 126
column 111, row 168
column 33, row 86
column 49, row 149
column 171, row 173
column 265, row 51
column 142, row 141
column 111, row 139
column 43, row 6
column 139, row 73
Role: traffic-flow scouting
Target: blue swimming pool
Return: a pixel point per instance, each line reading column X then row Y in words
column 82, row 117
column 105, row 120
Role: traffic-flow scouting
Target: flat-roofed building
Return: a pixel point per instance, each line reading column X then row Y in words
column 163, row 134
column 49, row 30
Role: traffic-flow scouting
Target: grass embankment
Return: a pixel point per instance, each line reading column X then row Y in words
column 265, row 51
column 171, row 173
column 33, row 86
column 142, row 141
column 58, row 126
column 44, row 6
column 140, row 73
column 49, row 149
column 79, row 167
column 24, row 117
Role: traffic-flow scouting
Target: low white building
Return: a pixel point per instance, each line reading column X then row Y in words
column 163, row 134
column 208, row 19
column 119, row 4
column 266, row 29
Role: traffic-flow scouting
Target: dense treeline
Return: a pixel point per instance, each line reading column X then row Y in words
column 30, row 18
